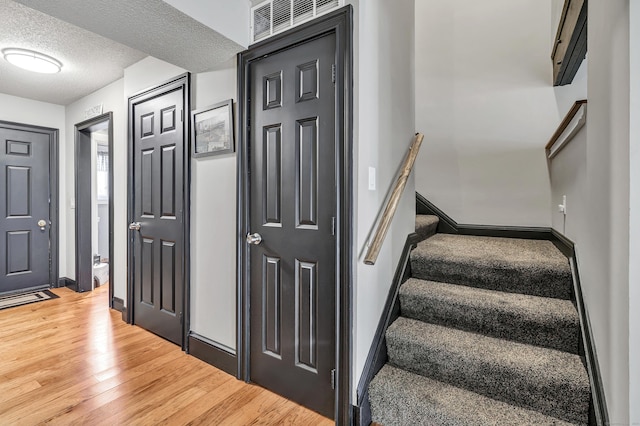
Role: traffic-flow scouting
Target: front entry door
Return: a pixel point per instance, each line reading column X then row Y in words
column 24, row 209
column 157, row 229
column 292, row 218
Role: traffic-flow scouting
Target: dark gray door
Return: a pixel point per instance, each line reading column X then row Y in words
column 158, row 245
column 293, row 209
column 24, row 210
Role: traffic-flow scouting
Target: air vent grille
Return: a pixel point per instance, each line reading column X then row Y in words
column 281, row 14
column 326, row 5
column 302, row 10
column 261, row 22
column 274, row 16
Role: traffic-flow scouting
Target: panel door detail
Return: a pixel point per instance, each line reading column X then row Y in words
column 292, row 206
column 158, row 246
column 24, row 201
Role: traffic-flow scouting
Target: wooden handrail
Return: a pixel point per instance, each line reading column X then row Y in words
column 394, row 200
column 563, row 126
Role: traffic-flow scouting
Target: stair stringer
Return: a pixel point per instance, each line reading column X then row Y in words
column 377, row 356
column 598, row 414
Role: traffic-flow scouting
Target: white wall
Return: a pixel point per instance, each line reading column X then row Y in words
column 568, row 174
column 604, row 258
column 213, row 224
column 27, row 111
column 228, row 17
column 556, row 14
column 146, row 74
column 111, row 98
column 634, row 214
column 383, row 130
column 485, row 102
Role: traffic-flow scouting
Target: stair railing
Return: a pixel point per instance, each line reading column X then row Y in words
column 394, row 200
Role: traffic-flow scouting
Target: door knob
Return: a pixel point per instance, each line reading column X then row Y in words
column 42, row 223
column 254, row 238
column 135, row 226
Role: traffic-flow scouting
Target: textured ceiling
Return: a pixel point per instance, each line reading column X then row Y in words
column 89, row 60
column 151, row 26
column 96, row 39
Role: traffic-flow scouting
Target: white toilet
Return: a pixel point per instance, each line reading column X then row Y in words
column 100, row 273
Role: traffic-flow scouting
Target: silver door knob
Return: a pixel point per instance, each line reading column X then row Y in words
column 135, row 226
column 254, row 238
column 42, row 223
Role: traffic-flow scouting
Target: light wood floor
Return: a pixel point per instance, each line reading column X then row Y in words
column 74, row 361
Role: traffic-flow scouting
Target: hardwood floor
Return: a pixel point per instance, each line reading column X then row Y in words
column 72, row 360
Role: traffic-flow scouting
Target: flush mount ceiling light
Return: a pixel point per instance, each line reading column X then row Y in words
column 32, row 61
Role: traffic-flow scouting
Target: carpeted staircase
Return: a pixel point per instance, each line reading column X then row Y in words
column 487, row 335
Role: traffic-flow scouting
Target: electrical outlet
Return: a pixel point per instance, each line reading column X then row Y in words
column 562, row 208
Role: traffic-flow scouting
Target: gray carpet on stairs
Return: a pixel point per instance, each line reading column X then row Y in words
column 426, row 225
column 534, row 267
column 487, row 335
column 401, row 398
column 541, row 321
column 552, row 382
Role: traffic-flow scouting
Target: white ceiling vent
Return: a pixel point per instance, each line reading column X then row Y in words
column 274, row 16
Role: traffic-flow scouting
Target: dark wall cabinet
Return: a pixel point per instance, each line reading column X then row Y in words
column 570, row 46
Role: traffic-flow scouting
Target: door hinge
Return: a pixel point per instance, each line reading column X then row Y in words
column 333, row 73
column 182, row 115
column 333, row 226
column 333, row 378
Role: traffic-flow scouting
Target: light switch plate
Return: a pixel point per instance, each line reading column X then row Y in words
column 372, row 178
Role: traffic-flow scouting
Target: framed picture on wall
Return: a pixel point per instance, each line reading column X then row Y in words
column 212, row 130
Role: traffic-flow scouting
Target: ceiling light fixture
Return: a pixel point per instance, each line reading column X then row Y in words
column 32, row 61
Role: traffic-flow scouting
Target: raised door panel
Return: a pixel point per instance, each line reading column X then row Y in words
column 306, row 314
column 168, row 277
column 272, row 179
column 18, row 252
column 19, row 191
column 307, row 173
column 168, row 182
column 147, row 178
column 271, row 306
column 307, row 81
column 147, row 271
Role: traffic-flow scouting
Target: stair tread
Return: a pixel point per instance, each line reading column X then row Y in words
column 426, row 220
column 495, row 251
column 516, row 265
column 399, row 397
column 426, row 225
column 540, row 321
column 546, row 380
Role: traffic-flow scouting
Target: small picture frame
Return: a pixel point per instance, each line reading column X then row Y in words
column 212, row 130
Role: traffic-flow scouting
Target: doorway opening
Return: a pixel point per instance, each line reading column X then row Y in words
column 94, row 204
